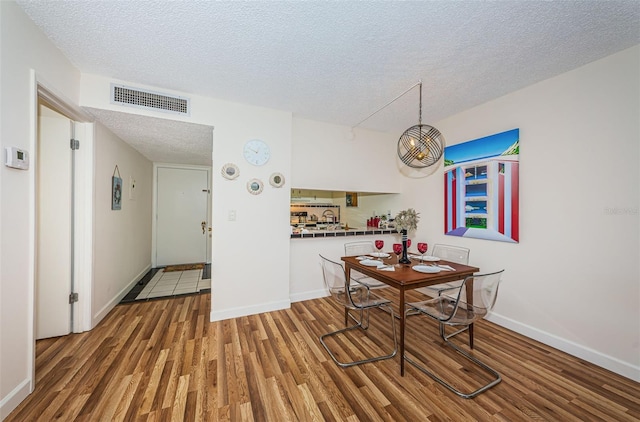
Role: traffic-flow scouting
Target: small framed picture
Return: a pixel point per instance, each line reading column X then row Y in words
column 116, row 193
column 352, row 199
column 276, row 180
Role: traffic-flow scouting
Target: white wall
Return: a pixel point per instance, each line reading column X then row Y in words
column 330, row 157
column 122, row 238
column 22, row 48
column 261, row 231
column 573, row 280
column 250, row 264
column 306, row 273
column 368, row 204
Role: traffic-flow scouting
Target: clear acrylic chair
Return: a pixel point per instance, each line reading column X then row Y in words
column 453, row 308
column 356, row 297
column 360, row 248
column 357, row 249
column 450, row 253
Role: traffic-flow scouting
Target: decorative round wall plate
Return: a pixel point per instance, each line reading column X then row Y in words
column 230, row 171
column 255, row 186
column 276, row 180
column 256, row 152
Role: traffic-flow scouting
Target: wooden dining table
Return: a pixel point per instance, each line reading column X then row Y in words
column 405, row 278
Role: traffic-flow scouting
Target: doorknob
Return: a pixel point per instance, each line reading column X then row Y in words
column 204, row 226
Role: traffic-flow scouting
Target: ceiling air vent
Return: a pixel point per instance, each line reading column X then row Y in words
column 124, row 95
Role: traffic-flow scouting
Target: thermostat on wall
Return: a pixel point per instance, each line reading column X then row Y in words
column 16, row 158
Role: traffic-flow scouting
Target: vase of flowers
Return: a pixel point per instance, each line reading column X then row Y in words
column 405, row 221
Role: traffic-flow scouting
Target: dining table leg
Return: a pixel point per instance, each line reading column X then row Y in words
column 347, row 271
column 403, row 317
column 469, row 289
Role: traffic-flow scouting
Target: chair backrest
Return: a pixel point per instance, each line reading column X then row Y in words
column 451, row 253
column 485, row 293
column 335, row 280
column 358, row 248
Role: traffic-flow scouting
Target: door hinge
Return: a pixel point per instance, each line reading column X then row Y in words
column 73, row 297
column 75, row 144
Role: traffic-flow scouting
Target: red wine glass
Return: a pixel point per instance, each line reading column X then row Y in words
column 397, row 249
column 379, row 245
column 422, row 248
column 408, row 243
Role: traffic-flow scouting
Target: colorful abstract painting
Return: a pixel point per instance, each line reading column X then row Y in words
column 481, row 188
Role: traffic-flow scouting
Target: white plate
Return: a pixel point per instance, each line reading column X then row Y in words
column 371, row 263
column 380, row 254
column 429, row 258
column 426, row 269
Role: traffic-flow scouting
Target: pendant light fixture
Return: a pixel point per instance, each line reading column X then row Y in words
column 421, row 145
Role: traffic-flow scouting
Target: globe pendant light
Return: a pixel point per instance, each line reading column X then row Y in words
column 421, row 145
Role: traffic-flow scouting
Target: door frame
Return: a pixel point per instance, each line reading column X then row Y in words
column 83, row 210
column 154, row 220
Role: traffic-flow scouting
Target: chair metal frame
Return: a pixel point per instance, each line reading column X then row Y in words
column 449, row 307
column 444, row 251
column 357, row 298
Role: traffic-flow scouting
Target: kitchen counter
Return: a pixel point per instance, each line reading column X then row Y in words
column 314, row 233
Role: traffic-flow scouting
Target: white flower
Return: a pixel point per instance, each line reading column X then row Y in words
column 407, row 220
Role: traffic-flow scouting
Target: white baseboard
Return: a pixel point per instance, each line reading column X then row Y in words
column 97, row 317
column 593, row 356
column 315, row 294
column 14, row 398
column 249, row 310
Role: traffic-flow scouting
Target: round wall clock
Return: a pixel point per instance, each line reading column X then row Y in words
column 255, row 186
column 276, row 180
column 256, row 152
column 230, row 171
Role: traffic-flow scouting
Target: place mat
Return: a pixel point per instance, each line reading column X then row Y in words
column 184, row 267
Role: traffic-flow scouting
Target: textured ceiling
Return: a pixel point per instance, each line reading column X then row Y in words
column 336, row 61
column 160, row 140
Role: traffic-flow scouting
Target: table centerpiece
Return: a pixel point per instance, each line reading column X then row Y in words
column 405, row 221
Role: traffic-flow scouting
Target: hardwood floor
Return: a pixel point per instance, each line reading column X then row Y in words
column 163, row 361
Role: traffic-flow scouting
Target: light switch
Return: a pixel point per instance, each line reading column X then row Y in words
column 232, row 215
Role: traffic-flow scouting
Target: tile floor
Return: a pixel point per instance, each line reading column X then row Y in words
column 174, row 283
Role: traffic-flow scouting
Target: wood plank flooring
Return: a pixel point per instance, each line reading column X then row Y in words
column 164, row 361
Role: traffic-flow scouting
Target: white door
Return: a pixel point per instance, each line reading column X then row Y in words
column 53, row 225
column 181, row 228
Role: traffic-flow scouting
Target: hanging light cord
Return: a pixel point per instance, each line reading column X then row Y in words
column 420, row 112
column 391, row 102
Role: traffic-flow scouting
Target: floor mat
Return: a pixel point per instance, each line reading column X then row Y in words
column 184, row 267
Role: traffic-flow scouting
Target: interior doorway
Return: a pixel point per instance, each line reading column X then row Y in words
column 69, row 181
column 77, row 251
